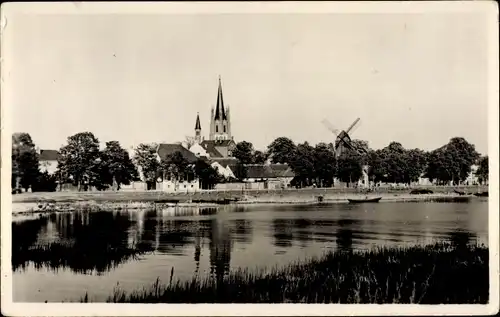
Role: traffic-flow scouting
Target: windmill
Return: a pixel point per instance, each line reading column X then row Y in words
column 343, row 140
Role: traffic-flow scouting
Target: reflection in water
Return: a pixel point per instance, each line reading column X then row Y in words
column 283, row 236
column 213, row 240
column 345, row 234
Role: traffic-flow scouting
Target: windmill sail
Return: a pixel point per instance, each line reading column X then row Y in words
column 352, row 125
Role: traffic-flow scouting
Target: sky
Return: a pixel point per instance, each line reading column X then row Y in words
column 419, row 79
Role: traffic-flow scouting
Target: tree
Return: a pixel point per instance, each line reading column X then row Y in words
column 259, row 157
column 240, row 171
column 147, row 160
column 349, row 168
column 416, row 162
column 482, row 170
column 324, row 164
column 207, row 175
column 302, row 164
column 25, row 164
column 244, row 152
column 189, row 142
column 176, row 166
column 118, row 165
column 79, row 158
column 452, row 162
column 395, row 162
column 377, row 166
column 281, row 150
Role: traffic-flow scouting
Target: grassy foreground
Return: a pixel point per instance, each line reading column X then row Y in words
column 435, row 274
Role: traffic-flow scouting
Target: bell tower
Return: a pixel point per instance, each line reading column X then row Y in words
column 220, row 127
column 197, row 129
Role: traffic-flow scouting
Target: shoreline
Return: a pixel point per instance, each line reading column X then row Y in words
column 51, row 205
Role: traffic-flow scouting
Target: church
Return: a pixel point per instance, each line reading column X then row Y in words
column 220, row 143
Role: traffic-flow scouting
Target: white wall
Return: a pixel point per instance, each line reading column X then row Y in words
column 49, row 166
column 182, row 187
column 198, row 150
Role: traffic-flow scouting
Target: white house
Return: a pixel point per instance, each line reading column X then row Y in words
column 199, row 150
column 48, row 160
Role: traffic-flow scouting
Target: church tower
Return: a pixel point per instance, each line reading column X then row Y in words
column 197, row 130
column 220, row 126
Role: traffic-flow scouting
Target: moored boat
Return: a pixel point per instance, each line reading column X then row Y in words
column 364, row 200
column 481, row 194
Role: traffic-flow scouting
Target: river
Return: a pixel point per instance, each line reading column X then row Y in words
column 59, row 257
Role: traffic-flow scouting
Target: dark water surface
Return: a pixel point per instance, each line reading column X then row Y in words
column 61, row 256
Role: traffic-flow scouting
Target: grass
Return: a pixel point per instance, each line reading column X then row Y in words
column 436, row 274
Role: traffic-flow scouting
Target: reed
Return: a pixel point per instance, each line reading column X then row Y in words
column 433, row 274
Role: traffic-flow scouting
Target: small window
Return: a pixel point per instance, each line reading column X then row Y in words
column 216, row 129
column 224, row 129
column 184, row 186
column 192, row 186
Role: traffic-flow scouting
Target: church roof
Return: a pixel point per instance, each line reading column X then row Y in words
column 220, row 112
column 198, row 124
column 165, row 150
column 48, row 155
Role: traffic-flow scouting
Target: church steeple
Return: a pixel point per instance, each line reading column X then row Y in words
column 220, row 125
column 198, row 124
column 220, row 111
column 197, row 129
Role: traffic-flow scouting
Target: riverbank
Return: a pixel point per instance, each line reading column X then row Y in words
column 434, row 274
column 70, row 201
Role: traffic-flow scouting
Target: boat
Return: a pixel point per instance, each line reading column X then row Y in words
column 481, row 194
column 461, row 193
column 364, row 200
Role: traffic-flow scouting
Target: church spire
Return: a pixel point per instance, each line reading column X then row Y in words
column 198, row 124
column 220, row 112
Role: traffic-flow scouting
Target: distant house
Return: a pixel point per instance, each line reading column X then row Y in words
column 48, row 160
column 168, row 183
column 225, row 166
column 273, row 176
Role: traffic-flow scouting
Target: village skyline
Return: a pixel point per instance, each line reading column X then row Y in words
column 141, row 82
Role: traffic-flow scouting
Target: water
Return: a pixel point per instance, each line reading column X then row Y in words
column 61, row 256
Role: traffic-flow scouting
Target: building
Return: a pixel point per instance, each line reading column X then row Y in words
column 220, row 143
column 168, row 182
column 48, row 160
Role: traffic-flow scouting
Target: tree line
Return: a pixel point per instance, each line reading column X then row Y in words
column 319, row 165
column 82, row 163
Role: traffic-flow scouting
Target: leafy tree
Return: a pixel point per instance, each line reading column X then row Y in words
column 395, row 162
column 452, row 162
column 45, row 183
column 482, row 170
column 79, row 158
column 117, row 165
column 240, row 171
column 244, row 152
column 349, row 168
column 281, row 150
column 176, row 166
column 259, row 157
column 147, row 160
column 324, row 164
column 416, row 162
column 207, row 175
column 25, row 164
column 303, row 164
column 377, row 166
